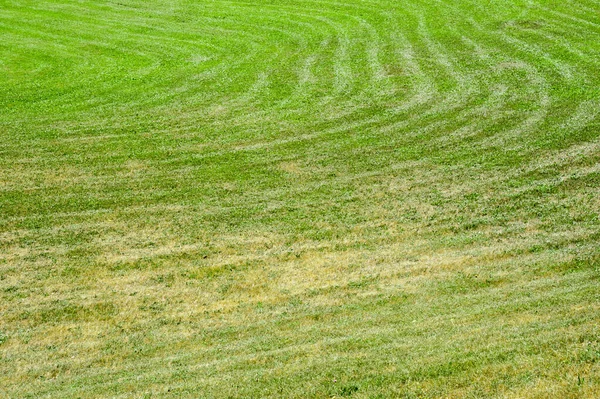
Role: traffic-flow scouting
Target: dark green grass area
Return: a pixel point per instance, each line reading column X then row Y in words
column 300, row 199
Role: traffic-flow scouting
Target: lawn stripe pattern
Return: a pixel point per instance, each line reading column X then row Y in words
column 300, row 198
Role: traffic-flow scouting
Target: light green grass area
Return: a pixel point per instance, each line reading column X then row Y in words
column 299, row 199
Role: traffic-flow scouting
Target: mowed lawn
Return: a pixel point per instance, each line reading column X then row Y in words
column 299, row 199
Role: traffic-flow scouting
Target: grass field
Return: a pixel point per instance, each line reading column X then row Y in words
column 299, row 199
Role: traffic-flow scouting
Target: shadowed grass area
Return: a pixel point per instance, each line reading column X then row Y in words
column 304, row 198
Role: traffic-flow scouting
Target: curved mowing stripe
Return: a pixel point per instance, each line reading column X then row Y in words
column 299, row 198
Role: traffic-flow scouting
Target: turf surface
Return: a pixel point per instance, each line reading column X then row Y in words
column 299, row 198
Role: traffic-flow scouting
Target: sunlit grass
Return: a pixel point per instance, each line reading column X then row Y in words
column 299, row 199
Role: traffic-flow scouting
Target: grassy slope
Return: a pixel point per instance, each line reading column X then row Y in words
column 299, row 198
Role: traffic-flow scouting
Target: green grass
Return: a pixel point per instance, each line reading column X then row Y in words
column 300, row 198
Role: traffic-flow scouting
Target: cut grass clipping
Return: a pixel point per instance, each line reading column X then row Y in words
column 299, row 199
